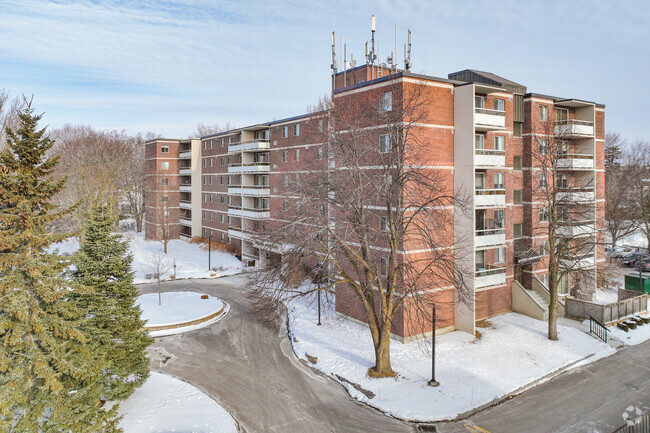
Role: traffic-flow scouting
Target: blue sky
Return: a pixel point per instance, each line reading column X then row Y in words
column 164, row 66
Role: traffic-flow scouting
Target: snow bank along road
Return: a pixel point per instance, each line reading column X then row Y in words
column 252, row 372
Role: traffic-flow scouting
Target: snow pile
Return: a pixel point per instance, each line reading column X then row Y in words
column 637, row 239
column 605, row 296
column 177, row 308
column 166, row 404
column 191, row 259
column 511, row 354
column 633, row 336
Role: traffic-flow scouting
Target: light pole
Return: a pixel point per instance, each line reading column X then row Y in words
column 433, row 381
column 209, row 249
column 174, row 267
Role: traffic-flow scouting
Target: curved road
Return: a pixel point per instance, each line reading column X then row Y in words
column 252, row 372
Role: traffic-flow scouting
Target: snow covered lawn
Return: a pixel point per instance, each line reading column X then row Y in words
column 633, row 336
column 472, row 372
column 166, row 404
column 603, row 296
column 191, row 259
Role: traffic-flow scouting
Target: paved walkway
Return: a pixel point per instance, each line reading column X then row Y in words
column 252, row 372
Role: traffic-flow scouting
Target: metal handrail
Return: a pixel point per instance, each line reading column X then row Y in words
column 574, row 122
column 251, row 209
column 250, row 186
column 247, row 164
column 256, row 140
column 489, row 152
column 597, row 328
column 487, row 191
column 575, row 156
column 487, row 232
column 491, row 270
column 489, row 111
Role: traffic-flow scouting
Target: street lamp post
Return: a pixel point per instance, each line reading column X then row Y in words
column 433, row 381
column 209, row 249
column 319, row 304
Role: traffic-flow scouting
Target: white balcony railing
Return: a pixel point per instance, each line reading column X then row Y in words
column 486, row 119
column 489, row 238
column 184, row 204
column 256, row 145
column 574, row 128
column 250, row 213
column 185, row 155
column 490, row 275
column 575, row 161
column 490, row 197
column 573, row 195
column 489, row 158
column 584, row 261
column 185, row 171
column 186, row 187
column 250, row 190
column 572, row 229
column 185, row 221
column 238, row 233
column 249, row 167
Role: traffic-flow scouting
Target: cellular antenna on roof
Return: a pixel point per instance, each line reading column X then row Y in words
column 407, row 54
column 371, row 55
column 334, row 66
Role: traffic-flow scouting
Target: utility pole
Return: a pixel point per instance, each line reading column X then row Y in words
column 209, row 249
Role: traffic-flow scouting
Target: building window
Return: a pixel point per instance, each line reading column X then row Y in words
column 164, row 181
column 228, row 180
column 285, row 155
column 499, row 180
column 320, row 125
column 543, row 214
column 229, row 140
column 387, row 101
column 285, row 131
column 543, row 247
column 479, row 101
column 164, row 198
column 543, row 180
column 561, row 115
column 543, row 146
column 204, row 162
column 516, row 162
column 210, row 198
column 543, row 278
column 383, row 267
column 384, row 143
column 479, row 141
column 205, row 198
column 210, row 216
column 221, row 217
column 222, row 142
column 297, row 154
column 516, row 231
column 499, row 105
column 204, row 180
column 562, row 180
column 164, row 149
column 499, row 218
column 164, row 165
column 319, row 153
column 296, row 129
column 210, row 180
column 228, row 219
column 221, row 161
column 204, row 216
column 211, row 161
column 517, row 128
column 500, row 255
column 516, row 196
column 221, row 237
column 285, row 180
column 285, row 205
column 221, row 200
column 499, row 142
column 220, row 180
column 383, row 222
column 543, row 113
column 228, row 239
column 229, row 200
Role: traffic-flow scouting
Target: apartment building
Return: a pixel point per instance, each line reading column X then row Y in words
column 479, row 131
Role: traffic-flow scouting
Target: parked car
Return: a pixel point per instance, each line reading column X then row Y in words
column 631, row 259
column 643, row 264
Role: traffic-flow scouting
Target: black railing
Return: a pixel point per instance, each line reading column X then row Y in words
column 598, row 329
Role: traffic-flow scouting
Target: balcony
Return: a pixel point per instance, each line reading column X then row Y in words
column 489, row 238
column 186, row 187
column 185, row 171
column 576, row 195
column 238, row 233
column 250, row 213
column 489, row 158
column 249, row 167
column 574, row 128
column 185, row 221
column 570, row 229
column 490, row 198
column 489, row 120
column 490, row 275
column 583, row 261
column 575, row 161
column 250, row 190
column 256, row 145
column 185, row 204
column 185, row 155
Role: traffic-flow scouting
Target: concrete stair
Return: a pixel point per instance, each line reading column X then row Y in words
column 538, row 298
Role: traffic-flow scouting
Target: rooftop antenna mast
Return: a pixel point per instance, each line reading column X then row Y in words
column 407, row 54
column 391, row 59
column 372, row 54
column 334, row 66
column 345, row 65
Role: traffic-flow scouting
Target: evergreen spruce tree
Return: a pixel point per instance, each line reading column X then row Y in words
column 48, row 372
column 115, row 327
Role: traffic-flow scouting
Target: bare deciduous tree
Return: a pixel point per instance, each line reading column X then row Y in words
column 620, row 211
column 566, row 214
column 9, row 109
column 357, row 209
column 637, row 171
column 159, row 265
column 203, row 129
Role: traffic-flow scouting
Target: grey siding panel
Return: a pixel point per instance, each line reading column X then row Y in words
column 518, row 108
